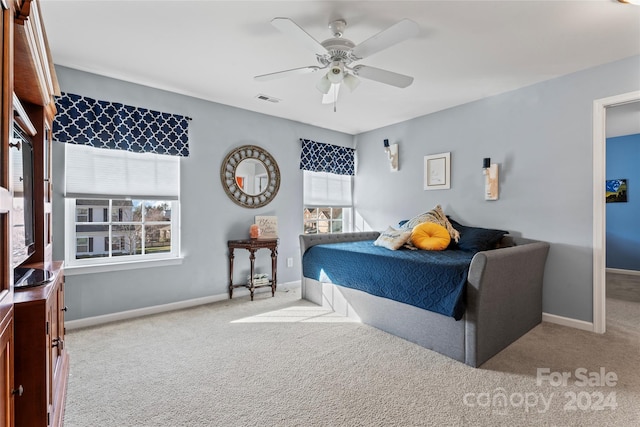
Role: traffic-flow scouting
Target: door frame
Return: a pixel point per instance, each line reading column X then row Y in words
column 599, row 209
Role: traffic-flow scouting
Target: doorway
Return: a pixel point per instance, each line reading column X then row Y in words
column 599, row 232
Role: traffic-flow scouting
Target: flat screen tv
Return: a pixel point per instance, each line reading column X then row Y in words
column 22, row 221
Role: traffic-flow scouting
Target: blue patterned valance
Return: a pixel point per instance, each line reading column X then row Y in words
column 320, row 157
column 86, row 121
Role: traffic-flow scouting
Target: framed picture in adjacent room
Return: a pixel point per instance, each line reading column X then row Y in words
column 616, row 191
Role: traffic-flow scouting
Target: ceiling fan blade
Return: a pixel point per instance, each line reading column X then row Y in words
column 286, row 73
column 331, row 96
column 382, row 76
column 396, row 33
column 290, row 28
column 324, row 85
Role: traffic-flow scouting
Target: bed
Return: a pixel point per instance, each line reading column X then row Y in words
column 489, row 299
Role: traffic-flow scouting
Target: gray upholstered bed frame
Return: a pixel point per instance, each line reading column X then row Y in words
column 503, row 301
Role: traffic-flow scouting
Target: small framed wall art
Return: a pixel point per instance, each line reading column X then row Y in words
column 437, row 171
column 616, row 191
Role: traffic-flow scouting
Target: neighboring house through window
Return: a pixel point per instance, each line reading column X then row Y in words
column 137, row 227
column 326, row 220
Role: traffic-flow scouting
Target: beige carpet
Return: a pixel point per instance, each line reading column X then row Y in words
column 624, row 287
column 285, row 362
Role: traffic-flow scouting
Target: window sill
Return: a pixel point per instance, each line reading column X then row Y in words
column 131, row 265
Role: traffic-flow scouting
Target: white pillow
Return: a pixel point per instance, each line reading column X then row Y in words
column 392, row 238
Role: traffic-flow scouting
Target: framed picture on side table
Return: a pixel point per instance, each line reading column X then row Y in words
column 268, row 226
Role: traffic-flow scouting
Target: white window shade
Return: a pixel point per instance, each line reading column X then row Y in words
column 326, row 189
column 93, row 171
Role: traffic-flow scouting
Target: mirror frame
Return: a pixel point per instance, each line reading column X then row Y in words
column 228, row 175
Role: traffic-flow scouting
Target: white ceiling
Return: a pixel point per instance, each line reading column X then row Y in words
column 466, row 50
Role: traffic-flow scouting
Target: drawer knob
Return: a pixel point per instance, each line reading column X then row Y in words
column 64, row 308
column 18, row 391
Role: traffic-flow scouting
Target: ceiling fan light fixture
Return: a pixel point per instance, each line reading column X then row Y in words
column 336, row 55
column 351, row 81
column 336, row 72
column 324, row 84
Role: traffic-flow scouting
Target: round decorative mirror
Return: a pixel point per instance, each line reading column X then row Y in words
column 250, row 176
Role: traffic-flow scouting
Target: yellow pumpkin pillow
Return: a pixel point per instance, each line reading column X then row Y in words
column 434, row 215
column 430, row 236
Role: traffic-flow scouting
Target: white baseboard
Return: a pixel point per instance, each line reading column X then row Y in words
column 567, row 321
column 139, row 312
column 130, row 314
column 621, row 271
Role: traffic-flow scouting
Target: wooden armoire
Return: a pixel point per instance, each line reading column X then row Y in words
column 34, row 362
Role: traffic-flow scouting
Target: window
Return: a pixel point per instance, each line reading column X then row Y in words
column 327, row 203
column 136, row 228
column 327, row 175
column 118, row 244
column 84, row 245
column 109, row 227
column 82, row 214
column 117, row 214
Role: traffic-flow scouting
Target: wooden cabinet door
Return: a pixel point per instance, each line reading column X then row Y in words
column 6, row 371
column 6, row 288
column 50, row 352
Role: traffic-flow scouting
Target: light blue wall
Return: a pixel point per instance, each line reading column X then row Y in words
column 541, row 137
column 623, row 232
column 209, row 217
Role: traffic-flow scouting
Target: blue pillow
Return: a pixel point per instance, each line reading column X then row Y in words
column 476, row 239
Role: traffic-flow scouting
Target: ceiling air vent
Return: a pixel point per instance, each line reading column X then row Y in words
column 267, row 98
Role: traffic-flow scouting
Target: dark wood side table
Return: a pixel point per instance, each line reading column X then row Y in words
column 253, row 245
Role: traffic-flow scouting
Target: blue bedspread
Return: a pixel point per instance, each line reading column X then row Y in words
column 432, row 280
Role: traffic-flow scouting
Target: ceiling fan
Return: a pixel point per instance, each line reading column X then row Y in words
column 338, row 55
